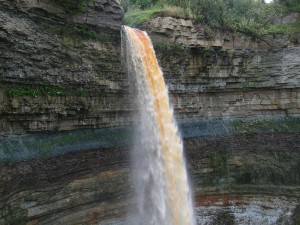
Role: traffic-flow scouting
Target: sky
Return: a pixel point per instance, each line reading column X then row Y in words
column 268, row 1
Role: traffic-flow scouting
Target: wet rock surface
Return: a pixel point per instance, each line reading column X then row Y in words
column 252, row 183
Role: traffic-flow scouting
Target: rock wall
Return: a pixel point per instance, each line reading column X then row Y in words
column 66, row 117
column 228, row 76
column 190, row 34
column 94, row 187
column 64, row 72
column 83, row 63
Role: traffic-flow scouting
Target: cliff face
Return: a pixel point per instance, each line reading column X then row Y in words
column 63, row 72
column 66, row 117
column 230, row 75
column 43, row 57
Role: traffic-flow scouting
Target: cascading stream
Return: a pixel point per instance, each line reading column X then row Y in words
column 161, row 182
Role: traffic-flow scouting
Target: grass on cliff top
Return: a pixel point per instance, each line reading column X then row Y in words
column 139, row 16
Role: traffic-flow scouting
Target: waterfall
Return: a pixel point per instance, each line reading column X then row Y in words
column 160, row 178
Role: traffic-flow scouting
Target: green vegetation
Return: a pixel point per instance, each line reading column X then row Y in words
column 219, row 163
column 290, row 28
column 296, row 215
column 82, row 92
column 34, row 91
column 7, row 161
column 291, row 125
column 173, row 48
column 138, row 16
column 297, row 221
column 246, row 16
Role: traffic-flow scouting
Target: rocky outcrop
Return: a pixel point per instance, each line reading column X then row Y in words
column 83, row 63
column 33, row 52
column 182, row 31
column 64, row 72
column 216, row 84
column 228, row 75
column 190, row 34
column 66, row 117
column 83, row 188
column 104, row 14
column 93, row 187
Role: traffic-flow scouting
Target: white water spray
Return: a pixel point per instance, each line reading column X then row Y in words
column 161, row 183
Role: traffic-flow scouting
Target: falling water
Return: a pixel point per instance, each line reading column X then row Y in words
column 161, row 183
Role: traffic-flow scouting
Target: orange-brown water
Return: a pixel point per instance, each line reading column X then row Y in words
column 177, row 207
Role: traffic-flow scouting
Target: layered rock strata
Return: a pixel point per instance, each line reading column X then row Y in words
column 93, row 187
column 66, row 117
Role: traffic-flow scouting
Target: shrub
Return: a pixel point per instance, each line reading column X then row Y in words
column 173, row 48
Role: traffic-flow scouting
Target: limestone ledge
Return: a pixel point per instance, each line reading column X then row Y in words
column 29, row 114
column 190, row 34
column 55, row 113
